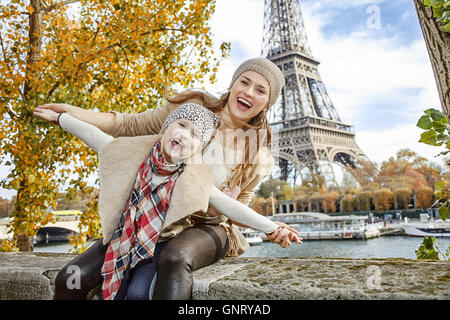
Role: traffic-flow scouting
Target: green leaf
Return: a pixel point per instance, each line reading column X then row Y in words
column 440, row 125
column 438, row 186
column 446, row 28
column 429, row 137
column 426, row 249
column 436, row 115
column 443, row 212
column 425, row 123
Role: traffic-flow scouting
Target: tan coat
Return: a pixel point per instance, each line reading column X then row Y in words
column 119, row 163
column 150, row 122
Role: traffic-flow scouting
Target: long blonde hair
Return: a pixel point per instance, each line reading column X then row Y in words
column 216, row 105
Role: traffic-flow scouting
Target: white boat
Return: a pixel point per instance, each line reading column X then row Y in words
column 253, row 237
column 437, row 228
column 254, row 240
column 321, row 226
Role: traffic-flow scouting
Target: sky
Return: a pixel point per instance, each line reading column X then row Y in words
column 374, row 64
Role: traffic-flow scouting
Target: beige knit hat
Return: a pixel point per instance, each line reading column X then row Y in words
column 268, row 70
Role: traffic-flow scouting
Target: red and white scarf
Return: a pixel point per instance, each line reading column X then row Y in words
column 142, row 220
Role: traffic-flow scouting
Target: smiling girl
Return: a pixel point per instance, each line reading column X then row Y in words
column 201, row 241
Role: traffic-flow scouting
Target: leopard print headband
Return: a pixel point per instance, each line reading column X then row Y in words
column 203, row 119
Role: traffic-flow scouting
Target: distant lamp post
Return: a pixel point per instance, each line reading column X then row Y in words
column 273, row 206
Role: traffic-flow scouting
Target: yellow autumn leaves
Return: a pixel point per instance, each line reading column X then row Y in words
column 108, row 55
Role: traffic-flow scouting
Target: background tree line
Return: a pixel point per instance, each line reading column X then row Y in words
column 400, row 182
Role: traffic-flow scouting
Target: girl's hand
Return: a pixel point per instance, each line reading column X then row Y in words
column 287, row 237
column 46, row 114
column 284, row 235
column 273, row 237
column 284, row 225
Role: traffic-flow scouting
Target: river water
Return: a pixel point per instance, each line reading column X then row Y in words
column 382, row 247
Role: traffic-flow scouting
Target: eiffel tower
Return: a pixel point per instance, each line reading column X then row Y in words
column 309, row 132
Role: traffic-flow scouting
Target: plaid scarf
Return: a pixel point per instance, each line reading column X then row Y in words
column 142, row 220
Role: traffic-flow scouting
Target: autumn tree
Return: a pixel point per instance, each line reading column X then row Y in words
column 110, row 55
column 257, row 204
column 402, row 197
column 348, row 203
column 364, row 200
column 364, row 172
column 273, row 186
column 424, row 197
column 329, row 201
column 264, row 206
column 383, row 199
column 4, row 207
column 407, row 170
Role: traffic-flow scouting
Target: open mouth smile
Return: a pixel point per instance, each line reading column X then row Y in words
column 176, row 143
column 243, row 104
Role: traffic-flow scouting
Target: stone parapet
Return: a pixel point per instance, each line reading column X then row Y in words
column 30, row 276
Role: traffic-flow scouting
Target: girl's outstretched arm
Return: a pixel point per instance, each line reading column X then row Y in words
column 239, row 212
column 90, row 135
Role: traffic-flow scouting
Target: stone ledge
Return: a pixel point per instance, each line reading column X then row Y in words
column 30, row 276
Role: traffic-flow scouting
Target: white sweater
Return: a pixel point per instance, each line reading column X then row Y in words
column 233, row 209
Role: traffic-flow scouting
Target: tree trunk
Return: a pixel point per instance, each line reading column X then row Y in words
column 35, row 38
column 25, row 243
column 438, row 46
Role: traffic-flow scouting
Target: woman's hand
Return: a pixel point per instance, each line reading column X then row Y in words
column 284, row 235
column 44, row 110
column 46, row 114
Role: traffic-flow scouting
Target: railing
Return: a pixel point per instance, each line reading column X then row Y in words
column 308, row 121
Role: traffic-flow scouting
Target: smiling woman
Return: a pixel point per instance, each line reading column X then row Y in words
column 249, row 96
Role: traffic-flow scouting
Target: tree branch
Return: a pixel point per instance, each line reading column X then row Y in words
column 163, row 29
column 8, row 109
column 128, row 62
column 55, row 86
column 4, row 53
column 59, row 4
column 42, row 72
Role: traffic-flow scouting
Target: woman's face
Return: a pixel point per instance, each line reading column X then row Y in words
column 248, row 96
column 180, row 140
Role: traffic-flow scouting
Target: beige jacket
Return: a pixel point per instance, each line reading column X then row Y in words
column 119, row 163
column 150, row 122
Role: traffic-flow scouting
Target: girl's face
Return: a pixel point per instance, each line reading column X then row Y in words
column 181, row 140
column 248, row 96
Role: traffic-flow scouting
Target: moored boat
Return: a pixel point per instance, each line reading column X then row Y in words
column 321, row 226
column 253, row 237
column 435, row 229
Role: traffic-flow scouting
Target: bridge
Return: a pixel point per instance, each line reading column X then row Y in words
column 66, row 224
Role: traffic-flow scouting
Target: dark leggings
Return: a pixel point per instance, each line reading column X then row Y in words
column 194, row 248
